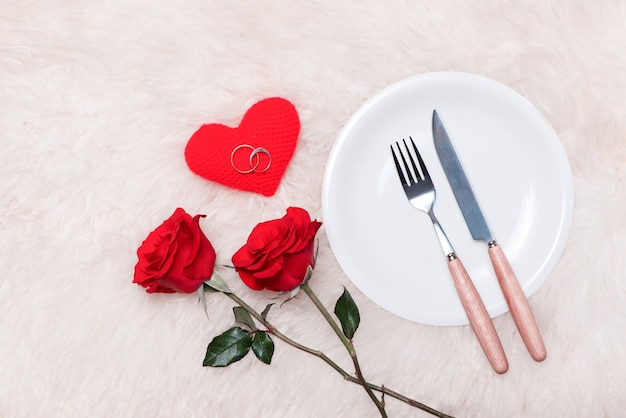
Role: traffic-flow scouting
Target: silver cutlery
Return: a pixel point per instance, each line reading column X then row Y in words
column 420, row 192
column 475, row 220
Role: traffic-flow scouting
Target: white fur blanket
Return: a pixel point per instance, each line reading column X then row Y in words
column 97, row 102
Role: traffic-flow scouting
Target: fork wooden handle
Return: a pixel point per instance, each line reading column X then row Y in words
column 518, row 304
column 478, row 317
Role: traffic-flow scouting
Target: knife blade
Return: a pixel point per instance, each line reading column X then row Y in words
column 479, row 229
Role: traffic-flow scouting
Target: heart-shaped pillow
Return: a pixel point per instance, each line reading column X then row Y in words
column 227, row 155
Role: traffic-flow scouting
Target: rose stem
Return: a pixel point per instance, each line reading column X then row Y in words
column 274, row 331
column 347, row 343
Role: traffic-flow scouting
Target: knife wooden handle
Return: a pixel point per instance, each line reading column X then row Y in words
column 518, row 304
column 478, row 317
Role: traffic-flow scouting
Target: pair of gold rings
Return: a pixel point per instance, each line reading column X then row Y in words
column 254, row 159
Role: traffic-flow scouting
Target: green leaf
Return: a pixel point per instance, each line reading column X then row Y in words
column 308, row 274
column 217, row 283
column 243, row 317
column 266, row 311
column 263, row 347
column 292, row 293
column 203, row 300
column 348, row 314
column 317, row 250
column 227, row 348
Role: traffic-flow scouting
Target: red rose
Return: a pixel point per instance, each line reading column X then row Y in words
column 175, row 257
column 278, row 252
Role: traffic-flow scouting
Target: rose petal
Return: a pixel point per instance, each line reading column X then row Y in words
column 268, row 270
column 249, row 280
column 202, row 258
column 283, row 282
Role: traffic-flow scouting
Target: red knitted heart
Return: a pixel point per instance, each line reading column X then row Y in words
column 272, row 124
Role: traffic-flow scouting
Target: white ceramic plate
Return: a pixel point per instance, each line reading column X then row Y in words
column 516, row 165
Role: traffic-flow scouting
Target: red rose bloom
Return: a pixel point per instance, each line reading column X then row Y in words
column 278, row 252
column 175, row 257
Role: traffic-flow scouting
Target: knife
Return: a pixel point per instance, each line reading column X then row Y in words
column 475, row 220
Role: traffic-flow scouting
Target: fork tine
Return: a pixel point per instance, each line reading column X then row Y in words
column 412, row 177
column 395, row 160
column 418, row 177
column 421, row 161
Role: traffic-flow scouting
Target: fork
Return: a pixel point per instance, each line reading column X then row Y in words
column 421, row 193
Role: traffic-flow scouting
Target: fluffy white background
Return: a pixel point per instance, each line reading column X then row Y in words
column 97, row 101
